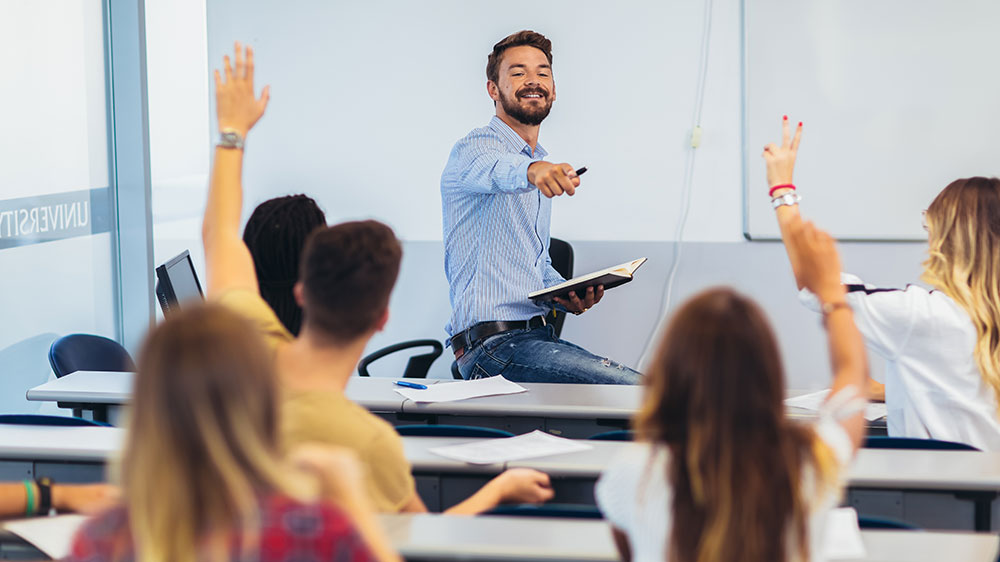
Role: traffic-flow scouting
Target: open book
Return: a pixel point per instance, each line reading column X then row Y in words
column 610, row 277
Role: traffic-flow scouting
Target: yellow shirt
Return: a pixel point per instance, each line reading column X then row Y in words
column 329, row 417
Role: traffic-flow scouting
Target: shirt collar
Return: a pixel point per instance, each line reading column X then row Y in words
column 514, row 140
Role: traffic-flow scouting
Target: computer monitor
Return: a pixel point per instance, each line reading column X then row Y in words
column 176, row 283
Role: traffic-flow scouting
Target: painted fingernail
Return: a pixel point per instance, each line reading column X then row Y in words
column 800, row 123
column 785, row 118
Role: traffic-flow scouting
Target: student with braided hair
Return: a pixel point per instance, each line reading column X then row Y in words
column 275, row 234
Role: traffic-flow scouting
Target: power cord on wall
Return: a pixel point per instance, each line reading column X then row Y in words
column 654, row 335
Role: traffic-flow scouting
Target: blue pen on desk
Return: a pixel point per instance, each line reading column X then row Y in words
column 411, row 385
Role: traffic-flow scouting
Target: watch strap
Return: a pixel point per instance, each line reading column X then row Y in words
column 44, row 495
column 230, row 138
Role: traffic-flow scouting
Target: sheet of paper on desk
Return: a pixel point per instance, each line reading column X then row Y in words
column 506, row 449
column 842, row 540
column 51, row 535
column 462, row 390
column 813, row 401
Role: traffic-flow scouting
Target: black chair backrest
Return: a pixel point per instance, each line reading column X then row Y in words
column 451, row 431
column 86, row 352
column 915, row 443
column 866, row 522
column 561, row 510
column 561, row 253
column 416, row 367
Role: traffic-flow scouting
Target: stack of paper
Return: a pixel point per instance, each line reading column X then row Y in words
column 462, row 390
column 813, row 401
column 530, row 445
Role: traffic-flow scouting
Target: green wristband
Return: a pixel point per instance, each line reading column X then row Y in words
column 29, row 507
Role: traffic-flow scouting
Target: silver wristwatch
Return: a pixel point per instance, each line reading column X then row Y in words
column 790, row 198
column 228, row 138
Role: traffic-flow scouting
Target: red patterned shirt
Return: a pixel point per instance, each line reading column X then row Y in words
column 289, row 531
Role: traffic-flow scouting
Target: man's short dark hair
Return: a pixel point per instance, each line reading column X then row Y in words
column 348, row 271
column 526, row 37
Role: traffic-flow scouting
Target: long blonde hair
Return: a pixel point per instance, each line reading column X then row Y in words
column 202, row 442
column 964, row 261
column 714, row 397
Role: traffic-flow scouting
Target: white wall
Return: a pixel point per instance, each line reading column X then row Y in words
column 628, row 122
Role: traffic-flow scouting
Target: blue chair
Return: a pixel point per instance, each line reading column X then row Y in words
column 39, row 419
column 573, row 511
column 87, row 352
column 616, row 435
column 866, row 522
column 451, row 431
column 915, row 443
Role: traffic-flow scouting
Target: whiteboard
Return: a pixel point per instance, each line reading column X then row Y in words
column 368, row 98
column 898, row 98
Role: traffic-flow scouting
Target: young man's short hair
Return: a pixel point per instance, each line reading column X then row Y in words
column 526, row 37
column 348, row 272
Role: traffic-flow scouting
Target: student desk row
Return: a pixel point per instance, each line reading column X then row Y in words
column 442, row 538
column 931, row 489
column 570, row 410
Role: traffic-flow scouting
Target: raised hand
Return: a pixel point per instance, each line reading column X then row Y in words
column 235, row 105
column 780, row 160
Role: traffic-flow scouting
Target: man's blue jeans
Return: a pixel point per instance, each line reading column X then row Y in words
column 537, row 355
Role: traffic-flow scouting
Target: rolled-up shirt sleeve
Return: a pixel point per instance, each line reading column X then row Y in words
column 481, row 164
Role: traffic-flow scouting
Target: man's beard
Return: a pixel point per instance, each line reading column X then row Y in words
column 531, row 115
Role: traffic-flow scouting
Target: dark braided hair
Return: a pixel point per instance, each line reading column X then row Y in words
column 275, row 234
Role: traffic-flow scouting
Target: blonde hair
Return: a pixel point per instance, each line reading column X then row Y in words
column 202, row 442
column 714, row 397
column 963, row 260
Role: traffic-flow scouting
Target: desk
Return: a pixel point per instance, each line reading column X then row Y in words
column 66, row 454
column 929, row 488
column 106, row 393
column 443, row 538
column 926, row 488
column 570, row 410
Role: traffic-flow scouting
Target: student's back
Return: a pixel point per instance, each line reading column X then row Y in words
column 941, row 346
column 201, row 473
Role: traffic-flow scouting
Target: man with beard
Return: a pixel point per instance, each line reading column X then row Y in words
column 496, row 192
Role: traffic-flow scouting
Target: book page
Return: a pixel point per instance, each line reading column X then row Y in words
column 813, row 401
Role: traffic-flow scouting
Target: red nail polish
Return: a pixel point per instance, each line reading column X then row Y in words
column 800, row 123
column 785, row 118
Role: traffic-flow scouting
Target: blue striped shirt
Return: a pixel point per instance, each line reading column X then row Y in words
column 496, row 228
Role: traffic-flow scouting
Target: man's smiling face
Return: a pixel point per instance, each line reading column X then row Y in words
column 525, row 90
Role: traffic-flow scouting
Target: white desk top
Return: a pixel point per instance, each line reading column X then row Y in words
column 115, row 388
column 40, row 442
column 443, row 537
column 873, row 468
column 543, row 400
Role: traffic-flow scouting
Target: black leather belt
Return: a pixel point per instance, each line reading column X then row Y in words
column 478, row 332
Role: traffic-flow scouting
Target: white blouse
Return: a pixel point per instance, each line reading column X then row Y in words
column 933, row 387
column 634, row 495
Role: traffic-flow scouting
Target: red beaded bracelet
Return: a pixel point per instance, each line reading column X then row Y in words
column 781, row 186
